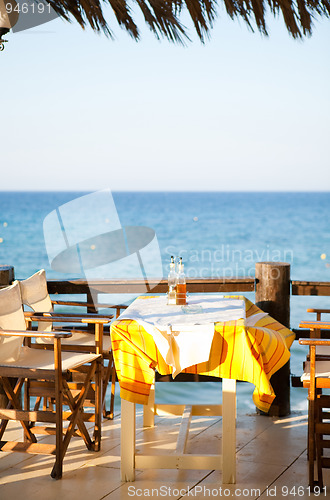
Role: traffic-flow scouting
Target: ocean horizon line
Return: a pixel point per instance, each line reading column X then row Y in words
column 245, row 191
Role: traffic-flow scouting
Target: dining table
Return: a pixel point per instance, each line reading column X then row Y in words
column 223, row 336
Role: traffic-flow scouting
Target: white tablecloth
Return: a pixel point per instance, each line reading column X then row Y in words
column 184, row 334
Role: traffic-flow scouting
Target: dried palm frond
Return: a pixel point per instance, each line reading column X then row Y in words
column 162, row 16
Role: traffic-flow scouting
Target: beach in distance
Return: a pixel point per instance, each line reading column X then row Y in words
column 218, row 234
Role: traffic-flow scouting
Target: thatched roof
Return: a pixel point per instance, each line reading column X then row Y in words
column 163, row 16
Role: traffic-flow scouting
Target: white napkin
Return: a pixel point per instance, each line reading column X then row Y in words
column 189, row 345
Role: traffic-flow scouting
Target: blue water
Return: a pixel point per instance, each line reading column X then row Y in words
column 217, row 234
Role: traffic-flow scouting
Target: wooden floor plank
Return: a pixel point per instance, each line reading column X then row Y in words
column 270, row 452
column 293, row 483
column 279, row 444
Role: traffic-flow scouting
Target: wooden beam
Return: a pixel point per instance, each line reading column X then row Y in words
column 196, row 410
column 35, row 448
column 32, row 416
column 184, row 431
column 305, row 334
column 194, row 285
column 10, row 371
column 320, row 288
column 149, row 409
column 184, row 461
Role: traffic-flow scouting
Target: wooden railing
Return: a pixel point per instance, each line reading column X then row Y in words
column 91, row 289
column 321, row 288
column 212, row 285
column 194, row 285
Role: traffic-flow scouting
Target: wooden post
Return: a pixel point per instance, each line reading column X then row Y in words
column 91, row 298
column 273, row 297
column 7, row 276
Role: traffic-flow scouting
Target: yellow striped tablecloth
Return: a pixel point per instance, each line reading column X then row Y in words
column 238, row 351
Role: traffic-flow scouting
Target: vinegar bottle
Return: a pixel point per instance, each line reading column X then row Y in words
column 181, row 287
column 172, row 278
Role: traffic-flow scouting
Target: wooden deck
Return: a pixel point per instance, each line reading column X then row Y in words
column 271, row 455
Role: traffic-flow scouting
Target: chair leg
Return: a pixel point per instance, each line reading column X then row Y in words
column 110, row 371
column 322, row 431
column 311, row 442
column 26, row 402
column 318, row 443
column 106, row 373
column 12, row 402
column 98, row 405
column 317, row 392
column 58, row 466
column 76, row 419
column 113, row 388
column 308, row 431
column 77, row 408
column 37, row 403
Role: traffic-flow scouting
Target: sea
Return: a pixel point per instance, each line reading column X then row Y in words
column 217, row 234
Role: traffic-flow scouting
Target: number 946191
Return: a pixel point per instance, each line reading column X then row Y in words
column 300, row 491
column 25, row 8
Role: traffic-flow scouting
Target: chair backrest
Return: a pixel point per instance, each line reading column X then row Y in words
column 35, row 295
column 11, row 318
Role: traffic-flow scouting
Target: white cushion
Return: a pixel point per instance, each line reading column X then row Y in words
column 82, row 339
column 44, row 360
column 322, row 369
column 11, row 318
column 35, row 295
column 323, row 350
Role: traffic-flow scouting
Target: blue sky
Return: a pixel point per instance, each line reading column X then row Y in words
column 242, row 112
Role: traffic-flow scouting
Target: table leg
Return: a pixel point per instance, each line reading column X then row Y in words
column 127, row 441
column 228, row 431
column 149, row 409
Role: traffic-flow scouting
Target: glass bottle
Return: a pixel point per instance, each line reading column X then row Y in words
column 172, row 277
column 181, row 287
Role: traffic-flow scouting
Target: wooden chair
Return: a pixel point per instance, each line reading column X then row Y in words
column 316, row 377
column 321, row 350
column 51, row 370
column 35, row 295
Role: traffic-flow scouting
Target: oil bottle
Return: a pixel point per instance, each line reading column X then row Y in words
column 172, row 279
column 181, row 287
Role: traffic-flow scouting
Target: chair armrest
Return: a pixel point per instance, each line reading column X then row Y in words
column 318, row 310
column 82, row 315
column 314, row 342
column 47, row 317
column 315, row 325
column 88, row 304
column 34, row 333
column 65, row 317
column 118, row 307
